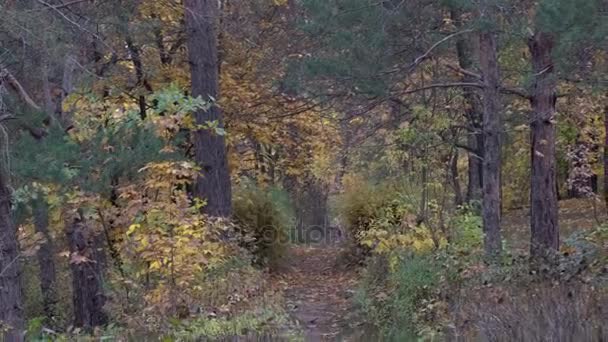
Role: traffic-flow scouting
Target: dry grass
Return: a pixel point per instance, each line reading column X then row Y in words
column 541, row 312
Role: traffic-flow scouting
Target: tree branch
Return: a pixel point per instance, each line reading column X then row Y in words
column 515, row 91
column 444, row 85
column 464, row 71
column 11, row 81
column 424, row 56
column 55, row 7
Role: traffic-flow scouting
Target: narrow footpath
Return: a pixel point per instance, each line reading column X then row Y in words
column 319, row 293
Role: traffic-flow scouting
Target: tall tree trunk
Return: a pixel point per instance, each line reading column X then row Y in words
column 46, row 263
column 543, row 197
column 606, row 156
column 11, row 310
column 492, row 127
column 86, row 266
column 213, row 184
column 473, row 114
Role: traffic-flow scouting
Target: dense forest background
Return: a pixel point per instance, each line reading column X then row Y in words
column 303, row 169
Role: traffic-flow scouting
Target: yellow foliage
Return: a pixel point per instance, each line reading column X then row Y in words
column 168, row 240
column 417, row 239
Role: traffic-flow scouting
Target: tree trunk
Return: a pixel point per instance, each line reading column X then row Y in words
column 606, row 156
column 543, row 197
column 11, row 310
column 213, row 184
column 455, row 178
column 492, row 131
column 135, row 57
column 45, row 254
column 85, row 263
column 473, row 114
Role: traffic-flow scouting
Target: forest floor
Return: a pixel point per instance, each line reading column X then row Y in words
column 319, row 292
column 574, row 215
column 319, row 285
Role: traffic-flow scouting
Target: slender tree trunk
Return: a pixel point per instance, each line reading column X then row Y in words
column 86, row 266
column 424, row 196
column 213, row 185
column 11, row 310
column 455, row 178
column 543, row 197
column 473, row 114
column 45, row 254
column 606, row 156
column 492, row 127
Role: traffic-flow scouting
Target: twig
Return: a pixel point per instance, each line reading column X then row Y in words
column 9, row 266
column 59, row 6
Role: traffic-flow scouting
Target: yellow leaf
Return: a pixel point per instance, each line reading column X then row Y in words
column 132, row 229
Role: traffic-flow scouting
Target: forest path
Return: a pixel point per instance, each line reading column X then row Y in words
column 319, row 292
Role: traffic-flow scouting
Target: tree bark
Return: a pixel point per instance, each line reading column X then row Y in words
column 473, row 114
column 543, row 197
column 606, row 156
column 85, row 263
column 213, row 184
column 11, row 310
column 492, row 131
column 46, row 262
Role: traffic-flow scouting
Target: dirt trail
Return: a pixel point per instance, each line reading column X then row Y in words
column 319, row 292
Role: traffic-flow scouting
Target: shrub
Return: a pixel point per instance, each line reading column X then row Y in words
column 467, row 234
column 265, row 220
column 402, row 296
column 404, row 286
column 365, row 210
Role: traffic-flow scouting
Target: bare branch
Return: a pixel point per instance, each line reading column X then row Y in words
column 428, row 52
column 515, row 91
column 64, row 16
column 464, row 71
column 6, row 76
column 444, row 85
column 424, row 56
column 55, row 7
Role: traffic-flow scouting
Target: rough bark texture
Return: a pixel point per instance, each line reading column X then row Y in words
column 543, row 196
column 85, row 263
column 213, row 185
column 492, row 126
column 46, row 263
column 11, row 310
column 473, row 114
column 606, row 157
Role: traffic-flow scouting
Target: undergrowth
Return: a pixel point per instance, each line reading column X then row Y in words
column 431, row 284
column 265, row 216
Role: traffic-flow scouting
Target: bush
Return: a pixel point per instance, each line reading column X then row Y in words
column 361, row 204
column 265, row 220
column 367, row 211
column 404, row 286
column 467, row 234
column 401, row 295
